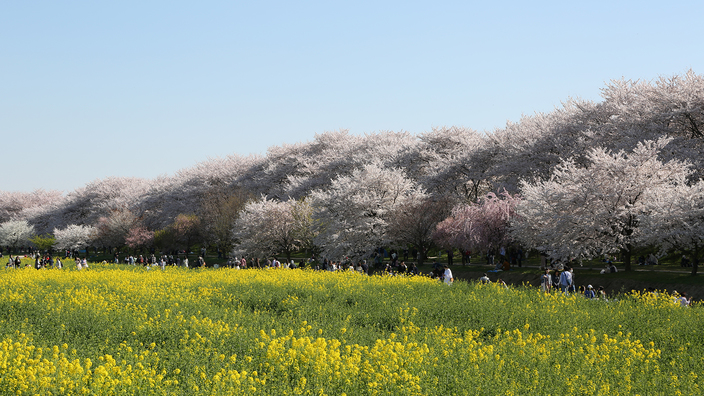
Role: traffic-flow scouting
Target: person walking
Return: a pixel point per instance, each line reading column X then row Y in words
column 566, row 281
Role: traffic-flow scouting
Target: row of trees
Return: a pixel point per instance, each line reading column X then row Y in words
column 393, row 188
column 18, row 233
column 121, row 229
column 614, row 203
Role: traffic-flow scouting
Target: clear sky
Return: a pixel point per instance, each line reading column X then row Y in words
column 94, row 89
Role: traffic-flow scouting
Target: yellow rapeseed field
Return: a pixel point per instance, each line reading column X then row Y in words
column 127, row 330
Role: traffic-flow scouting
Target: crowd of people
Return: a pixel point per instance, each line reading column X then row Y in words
column 46, row 261
column 162, row 261
column 564, row 281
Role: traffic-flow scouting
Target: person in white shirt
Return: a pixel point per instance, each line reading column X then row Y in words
column 447, row 276
column 684, row 302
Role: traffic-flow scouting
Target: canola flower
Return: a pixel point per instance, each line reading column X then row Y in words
column 125, row 330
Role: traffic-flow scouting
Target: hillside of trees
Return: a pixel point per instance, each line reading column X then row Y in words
column 583, row 180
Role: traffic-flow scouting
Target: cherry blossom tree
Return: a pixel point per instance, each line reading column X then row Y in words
column 413, row 222
column 113, row 229
column 449, row 161
column 75, row 237
column 676, row 220
column 296, row 169
column 14, row 204
column 269, row 227
column 583, row 212
column 87, row 204
column 182, row 234
column 648, row 110
column 481, row 226
column 353, row 214
column 16, row 233
column 672, row 105
column 220, row 208
column 185, row 192
column 139, row 237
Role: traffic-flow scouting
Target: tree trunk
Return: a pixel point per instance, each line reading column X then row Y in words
column 626, row 253
column 421, row 256
column 695, row 259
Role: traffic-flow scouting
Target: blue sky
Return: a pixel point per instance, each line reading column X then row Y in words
column 96, row 89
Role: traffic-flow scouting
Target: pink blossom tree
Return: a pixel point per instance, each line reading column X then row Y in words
column 481, row 226
column 139, row 237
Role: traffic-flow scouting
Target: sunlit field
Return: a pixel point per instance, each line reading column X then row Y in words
column 128, row 330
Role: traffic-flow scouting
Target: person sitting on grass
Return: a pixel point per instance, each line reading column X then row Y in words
column 485, row 279
column 507, row 265
column 413, row 270
column 606, row 270
column 683, row 300
column 602, row 294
